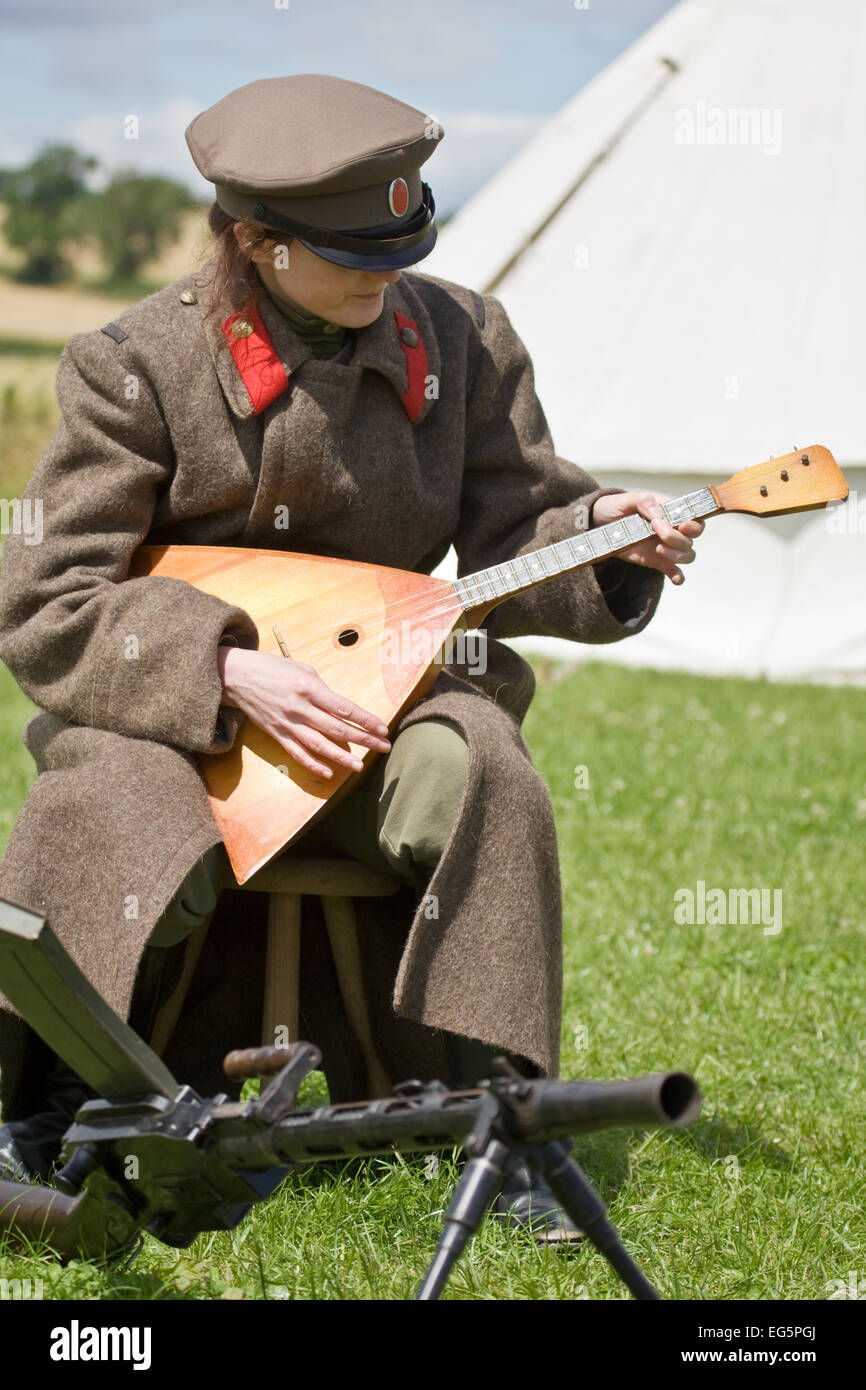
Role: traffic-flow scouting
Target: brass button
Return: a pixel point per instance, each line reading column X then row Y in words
column 332, row 328
column 242, row 328
column 189, row 297
column 409, row 336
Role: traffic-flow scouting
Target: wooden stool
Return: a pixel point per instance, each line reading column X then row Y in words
column 286, row 880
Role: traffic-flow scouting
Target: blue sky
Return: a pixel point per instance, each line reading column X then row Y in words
column 489, row 71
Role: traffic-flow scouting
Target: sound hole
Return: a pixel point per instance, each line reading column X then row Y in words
column 348, row 637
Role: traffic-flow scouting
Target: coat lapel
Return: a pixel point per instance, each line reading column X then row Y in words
column 377, row 347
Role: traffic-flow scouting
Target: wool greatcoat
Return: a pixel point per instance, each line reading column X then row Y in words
column 161, row 442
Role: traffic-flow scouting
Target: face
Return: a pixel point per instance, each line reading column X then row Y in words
column 353, row 298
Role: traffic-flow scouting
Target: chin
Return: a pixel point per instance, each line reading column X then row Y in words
column 362, row 314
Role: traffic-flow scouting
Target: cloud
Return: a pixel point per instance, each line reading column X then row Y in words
column 159, row 149
column 476, row 144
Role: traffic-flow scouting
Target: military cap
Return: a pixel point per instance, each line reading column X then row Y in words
column 332, row 162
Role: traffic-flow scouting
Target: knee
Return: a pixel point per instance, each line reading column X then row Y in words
column 422, row 794
column 193, row 902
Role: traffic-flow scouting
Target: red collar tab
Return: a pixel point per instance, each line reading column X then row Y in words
column 416, row 364
column 255, row 358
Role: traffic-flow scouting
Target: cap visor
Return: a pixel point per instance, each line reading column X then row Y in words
column 399, row 260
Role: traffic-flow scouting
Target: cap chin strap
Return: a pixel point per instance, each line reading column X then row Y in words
column 365, row 242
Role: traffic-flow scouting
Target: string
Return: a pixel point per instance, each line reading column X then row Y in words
column 435, row 600
column 430, row 607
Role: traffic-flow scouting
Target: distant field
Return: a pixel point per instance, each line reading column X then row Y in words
column 36, row 321
column 53, row 313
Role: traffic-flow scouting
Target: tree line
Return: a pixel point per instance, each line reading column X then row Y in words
column 50, row 209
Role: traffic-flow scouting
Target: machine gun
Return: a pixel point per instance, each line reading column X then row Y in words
column 152, row 1155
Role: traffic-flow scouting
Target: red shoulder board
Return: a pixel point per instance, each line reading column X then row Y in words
column 256, row 359
column 416, row 364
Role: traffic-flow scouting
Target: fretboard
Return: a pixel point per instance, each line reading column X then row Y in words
column 583, row 548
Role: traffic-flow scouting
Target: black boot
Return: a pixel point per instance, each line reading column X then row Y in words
column 525, row 1201
column 30, row 1148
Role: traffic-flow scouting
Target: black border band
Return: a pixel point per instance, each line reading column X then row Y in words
column 361, row 242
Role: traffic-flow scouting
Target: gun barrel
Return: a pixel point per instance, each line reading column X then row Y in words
column 548, row 1110
column 667, row 1098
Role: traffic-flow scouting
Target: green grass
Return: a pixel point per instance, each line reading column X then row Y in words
column 741, row 784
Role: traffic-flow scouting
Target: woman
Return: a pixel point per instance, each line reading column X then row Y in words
column 301, row 393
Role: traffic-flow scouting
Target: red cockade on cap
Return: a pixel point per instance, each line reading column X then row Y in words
column 416, row 364
column 256, row 359
column 398, row 197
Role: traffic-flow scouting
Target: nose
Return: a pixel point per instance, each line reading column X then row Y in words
column 389, row 276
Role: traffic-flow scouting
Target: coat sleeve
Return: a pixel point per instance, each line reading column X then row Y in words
column 136, row 657
column 517, row 496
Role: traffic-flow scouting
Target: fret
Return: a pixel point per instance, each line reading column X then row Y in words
column 582, row 548
column 469, row 587
column 483, row 583
column 552, row 560
column 572, row 550
column 525, row 564
column 615, row 534
column 535, row 565
column 702, row 502
column 598, row 542
column 512, row 582
column 638, row 527
column 563, row 553
column 678, row 510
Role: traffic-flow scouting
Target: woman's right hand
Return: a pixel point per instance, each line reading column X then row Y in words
column 288, row 700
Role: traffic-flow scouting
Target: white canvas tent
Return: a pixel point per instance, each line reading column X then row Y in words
column 683, row 250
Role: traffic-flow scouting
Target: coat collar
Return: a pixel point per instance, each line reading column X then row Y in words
column 377, row 347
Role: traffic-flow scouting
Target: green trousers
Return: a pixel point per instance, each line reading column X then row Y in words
column 398, row 820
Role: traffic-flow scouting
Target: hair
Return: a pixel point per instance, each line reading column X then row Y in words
column 234, row 282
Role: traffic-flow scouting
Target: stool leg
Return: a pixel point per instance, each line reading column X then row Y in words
column 169, row 1012
column 281, row 969
column 342, row 934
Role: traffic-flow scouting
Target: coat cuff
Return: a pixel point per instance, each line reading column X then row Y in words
column 596, row 603
column 158, row 677
column 630, row 592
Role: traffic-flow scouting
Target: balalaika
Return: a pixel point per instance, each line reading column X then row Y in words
column 377, row 635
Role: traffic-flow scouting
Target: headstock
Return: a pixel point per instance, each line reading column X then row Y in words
column 796, row 482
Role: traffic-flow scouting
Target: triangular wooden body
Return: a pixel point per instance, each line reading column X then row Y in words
column 374, row 634
column 260, row 796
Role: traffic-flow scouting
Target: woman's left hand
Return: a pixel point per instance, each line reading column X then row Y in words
column 672, row 545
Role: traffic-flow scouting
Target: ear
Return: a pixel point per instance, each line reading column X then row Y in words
column 253, row 241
